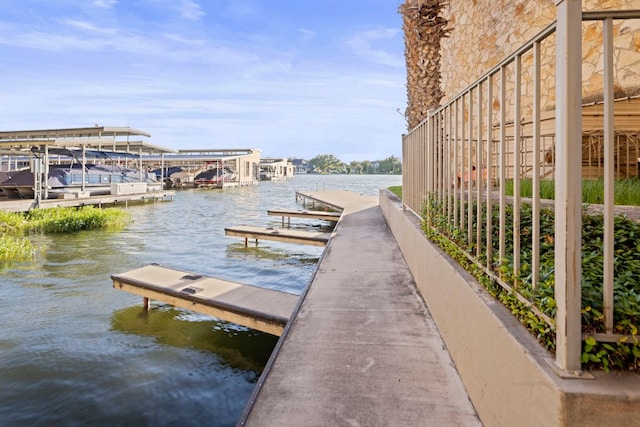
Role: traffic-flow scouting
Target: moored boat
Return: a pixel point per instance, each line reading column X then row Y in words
column 96, row 179
column 215, row 177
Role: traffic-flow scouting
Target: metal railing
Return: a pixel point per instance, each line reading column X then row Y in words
column 464, row 153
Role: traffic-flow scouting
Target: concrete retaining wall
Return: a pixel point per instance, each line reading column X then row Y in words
column 504, row 369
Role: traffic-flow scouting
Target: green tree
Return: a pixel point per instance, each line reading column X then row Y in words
column 327, row 163
column 355, row 167
column 390, row 165
column 366, row 166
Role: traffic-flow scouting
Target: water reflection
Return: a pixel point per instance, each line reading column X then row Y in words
column 263, row 251
column 237, row 347
column 76, row 352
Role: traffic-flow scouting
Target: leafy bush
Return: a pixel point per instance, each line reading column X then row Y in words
column 64, row 220
column 11, row 221
column 57, row 220
column 15, row 248
column 624, row 354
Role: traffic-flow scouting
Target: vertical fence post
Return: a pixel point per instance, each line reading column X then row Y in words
column 407, row 188
column 429, row 169
column 535, row 217
column 480, row 165
column 456, row 154
column 517, row 162
column 462, row 165
column 502, row 164
column 609, row 177
column 450, row 175
column 489, row 166
column 568, row 183
column 470, row 166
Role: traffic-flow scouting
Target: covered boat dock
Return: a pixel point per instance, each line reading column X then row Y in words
column 88, row 157
column 227, row 167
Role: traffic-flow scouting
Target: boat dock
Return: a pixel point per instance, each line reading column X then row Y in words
column 279, row 235
column 358, row 347
column 321, row 215
column 258, row 308
column 24, row 205
column 361, row 349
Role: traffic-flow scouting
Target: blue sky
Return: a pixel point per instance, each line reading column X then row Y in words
column 293, row 78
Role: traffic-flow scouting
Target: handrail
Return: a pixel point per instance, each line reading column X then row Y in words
column 461, row 142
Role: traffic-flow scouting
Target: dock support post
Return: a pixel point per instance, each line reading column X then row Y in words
column 145, row 303
column 246, row 242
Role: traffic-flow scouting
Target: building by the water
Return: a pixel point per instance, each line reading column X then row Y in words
column 274, row 169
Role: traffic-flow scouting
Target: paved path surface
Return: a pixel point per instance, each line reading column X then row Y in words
column 363, row 349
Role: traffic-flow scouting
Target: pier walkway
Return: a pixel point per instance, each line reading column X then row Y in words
column 361, row 348
column 258, row 308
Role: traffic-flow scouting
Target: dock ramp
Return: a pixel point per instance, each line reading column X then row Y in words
column 279, row 235
column 321, row 215
column 258, row 308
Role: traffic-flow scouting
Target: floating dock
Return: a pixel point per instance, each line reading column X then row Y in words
column 262, row 309
column 279, row 235
column 322, row 215
column 24, row 205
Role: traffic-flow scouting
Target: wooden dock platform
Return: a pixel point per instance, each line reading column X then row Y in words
column 258, row 308
column 24, row 205
column 322, row 215
column 279, row 235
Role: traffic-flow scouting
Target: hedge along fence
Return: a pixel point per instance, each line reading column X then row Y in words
column 496, row 129
column 534, row 304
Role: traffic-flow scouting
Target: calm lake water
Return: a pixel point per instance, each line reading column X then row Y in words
column 76, row 352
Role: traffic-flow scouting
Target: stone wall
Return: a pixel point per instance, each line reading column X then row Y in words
column 475, row 35
column 483, row 32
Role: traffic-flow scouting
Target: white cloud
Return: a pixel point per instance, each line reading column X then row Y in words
column 369, row 45
column 224, row 81
column 105, row 4
column 89, row 27
column 190, row 10
column 307, row 35
column 241, row 9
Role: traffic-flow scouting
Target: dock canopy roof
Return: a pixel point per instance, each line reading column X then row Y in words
column 84, row 132
column 101, row 138
column 206, row 154
column 89, row 154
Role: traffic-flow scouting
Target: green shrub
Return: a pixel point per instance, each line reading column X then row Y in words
column 58, row 220
column 15, row 248
column 64, row 220
column 621, row 355
column 11, row 221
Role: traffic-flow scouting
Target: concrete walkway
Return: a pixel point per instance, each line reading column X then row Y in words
column 362, row 349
